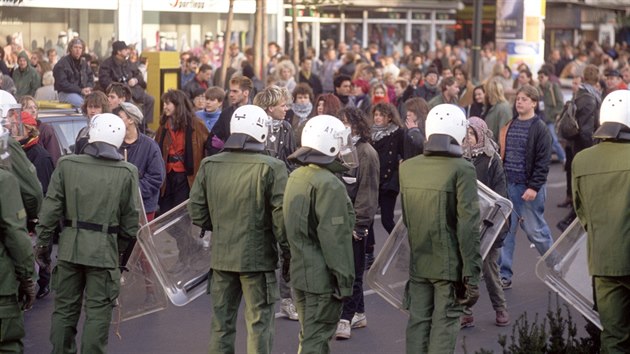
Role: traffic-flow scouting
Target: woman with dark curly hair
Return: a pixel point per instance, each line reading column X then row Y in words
column 181, row 137
column 388, row 140
column 362, row 186
column 416, row 115
column 327, row 103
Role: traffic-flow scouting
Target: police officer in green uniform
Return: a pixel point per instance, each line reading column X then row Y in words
column 441, row 211
column 17, row 288
column 238, row 195
column 319, row 218
column 601, row 185
column 21, row 166
column 96, row 195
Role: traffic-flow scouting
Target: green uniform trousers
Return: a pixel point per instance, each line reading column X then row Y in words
column 260, row 291
column 433, row 316
column 11, row 325
column 613, row 305
column 319, row 315
column 101, row 287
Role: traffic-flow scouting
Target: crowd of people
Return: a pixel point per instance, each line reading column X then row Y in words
column 314, row 152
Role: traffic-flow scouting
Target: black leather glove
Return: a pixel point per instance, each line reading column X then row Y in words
column 41, row 257
column 26, row 293
column 31, row 224
column 286, row 265
column 122, row 263
column 359, row 233
column 471, row 294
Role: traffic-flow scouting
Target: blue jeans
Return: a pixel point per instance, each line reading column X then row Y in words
column 530, row 216
column 559, row 150
column 74, row 99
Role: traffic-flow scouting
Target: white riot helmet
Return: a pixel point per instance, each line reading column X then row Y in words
column 329, row 136
column 5, row 161
column 107, row 128
column 447, row 119
column 252, row 121
column 614, row 116
column 10, row 112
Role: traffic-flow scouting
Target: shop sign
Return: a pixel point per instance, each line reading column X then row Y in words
column 66, row 4
column 217, row 6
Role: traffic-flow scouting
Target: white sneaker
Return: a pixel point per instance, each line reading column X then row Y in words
column 343, row 330
column 288, row 309
column 359, row 320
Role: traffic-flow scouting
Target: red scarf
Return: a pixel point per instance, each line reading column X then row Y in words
column 27, row 143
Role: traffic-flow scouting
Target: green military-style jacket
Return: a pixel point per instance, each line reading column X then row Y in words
column 441, row 211
column 601, row 182
column 498, row 116
column 238, row 195
column 85, row 189
column 319, row 218
column 16, row 253
column 30, row 188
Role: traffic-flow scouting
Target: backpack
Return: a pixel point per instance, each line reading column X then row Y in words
column 567, row 126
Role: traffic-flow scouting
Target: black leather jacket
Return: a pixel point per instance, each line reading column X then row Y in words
column 71, row 76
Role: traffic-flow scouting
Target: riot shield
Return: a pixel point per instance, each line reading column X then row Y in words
column 140, row 292
column 390, row 271
column 569, row 277
column 179, row 252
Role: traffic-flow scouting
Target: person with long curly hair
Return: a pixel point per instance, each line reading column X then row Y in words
column 181, row 137
column 388, row 140
column 362, row 187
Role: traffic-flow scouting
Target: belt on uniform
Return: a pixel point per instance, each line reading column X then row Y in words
column 175, row 158
column 84, row 225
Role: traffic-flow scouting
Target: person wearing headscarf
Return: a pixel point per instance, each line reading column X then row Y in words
column 479, row 148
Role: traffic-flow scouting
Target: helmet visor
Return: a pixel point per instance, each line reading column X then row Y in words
column 13, row 122
column 5, row 161
column 347, row 151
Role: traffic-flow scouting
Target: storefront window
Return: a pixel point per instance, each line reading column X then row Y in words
column 304, row 37
column 421, row 37
column 355, row 14
column 391, row 15
column 330, row 13
column 445, row 33
column 446, row 16
column 388, row 37
column 39, row 27
column 328, row 31
column 354, row 34
column 421, row 15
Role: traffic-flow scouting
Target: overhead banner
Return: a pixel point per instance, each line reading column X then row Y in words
column 66, row 4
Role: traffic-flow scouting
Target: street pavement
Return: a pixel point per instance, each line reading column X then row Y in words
column 186, row 329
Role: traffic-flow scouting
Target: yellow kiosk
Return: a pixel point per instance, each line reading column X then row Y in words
column 163, row 73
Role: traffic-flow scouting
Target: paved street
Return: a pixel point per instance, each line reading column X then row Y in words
column 186, row 329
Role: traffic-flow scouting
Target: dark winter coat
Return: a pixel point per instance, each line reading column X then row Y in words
column 145, row 154
column 71, row 75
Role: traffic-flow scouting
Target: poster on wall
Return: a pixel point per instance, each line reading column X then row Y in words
column 510, row 14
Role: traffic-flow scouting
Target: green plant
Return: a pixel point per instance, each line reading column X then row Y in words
column 557, row 334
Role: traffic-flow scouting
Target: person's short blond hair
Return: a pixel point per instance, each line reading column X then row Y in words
column 271, row 96
column 494, row 92
column 48, row 78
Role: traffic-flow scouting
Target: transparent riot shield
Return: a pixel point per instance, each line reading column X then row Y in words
column 179, row 253
column 140, row 291
column 570, row 277
column 390, row 271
